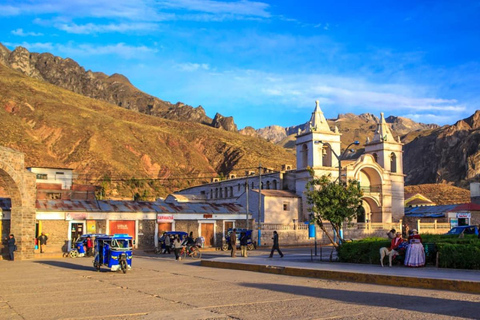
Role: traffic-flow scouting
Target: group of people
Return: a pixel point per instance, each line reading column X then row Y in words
column 412, row 247
column 243, row 243
column 177, row 243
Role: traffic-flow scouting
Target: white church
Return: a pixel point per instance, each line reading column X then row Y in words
column 282, row 201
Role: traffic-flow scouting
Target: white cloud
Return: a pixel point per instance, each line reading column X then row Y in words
column 190, row 67
column 242, row 8
column 19, row 32
column 91, row 28
column 71, row 49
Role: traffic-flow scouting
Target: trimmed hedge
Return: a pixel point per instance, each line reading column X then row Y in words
column 453, row 252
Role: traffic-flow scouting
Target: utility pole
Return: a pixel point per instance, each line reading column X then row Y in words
column 259, row 202
column 246, row 213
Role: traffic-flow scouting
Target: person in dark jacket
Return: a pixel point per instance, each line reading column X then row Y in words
column 243, row 244
column 275, row 245
column 42, row 241
column 11, row 246
column 233, row 243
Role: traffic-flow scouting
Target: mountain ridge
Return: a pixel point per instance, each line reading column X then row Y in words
column 115, row 89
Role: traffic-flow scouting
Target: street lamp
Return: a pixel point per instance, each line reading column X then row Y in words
column 339, row 158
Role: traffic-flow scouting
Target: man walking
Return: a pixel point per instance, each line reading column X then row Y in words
column 42, row 240
column 275, row 245
column 233, row 243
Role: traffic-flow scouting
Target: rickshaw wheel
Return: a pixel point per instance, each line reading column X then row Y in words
column 184, row 253
column 73, row 253
column 196, row 254
column 123, row 266
column 250, row 246
column 224, row 247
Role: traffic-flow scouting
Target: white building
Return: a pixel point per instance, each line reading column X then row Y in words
column 379, row 171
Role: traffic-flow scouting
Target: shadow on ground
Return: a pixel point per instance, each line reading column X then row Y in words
column 468, row 309
column 68, row 265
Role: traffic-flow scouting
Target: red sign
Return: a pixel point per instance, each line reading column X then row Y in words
column 123, row 227
column 206, row 216
column 161, row 218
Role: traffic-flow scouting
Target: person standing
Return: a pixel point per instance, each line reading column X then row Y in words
column 89, row 246
column 415, row 255
column 275, row 245
column 11, row 246
column 233, row 243
column 42, row 240
column 167, row 244
column 177, row 246
column 243, row 244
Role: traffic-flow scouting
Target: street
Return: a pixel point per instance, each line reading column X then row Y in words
column 158, row 287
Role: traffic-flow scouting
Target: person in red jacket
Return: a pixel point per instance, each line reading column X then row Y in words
column 89, row 247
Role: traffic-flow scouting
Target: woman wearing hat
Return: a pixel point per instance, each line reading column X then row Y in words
column 415, row 255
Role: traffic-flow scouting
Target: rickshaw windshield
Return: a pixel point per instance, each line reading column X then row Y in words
column 122, row 244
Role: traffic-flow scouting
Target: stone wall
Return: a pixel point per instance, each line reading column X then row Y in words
column 146, row 234
column 57, row 233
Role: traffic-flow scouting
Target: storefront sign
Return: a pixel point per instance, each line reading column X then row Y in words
column 464, row 215
column 75, row 216
column 207, row 216
column 161, row 218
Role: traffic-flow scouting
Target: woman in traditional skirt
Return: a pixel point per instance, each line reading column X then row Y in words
column 415, row 255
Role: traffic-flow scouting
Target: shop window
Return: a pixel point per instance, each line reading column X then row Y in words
column 42, row 176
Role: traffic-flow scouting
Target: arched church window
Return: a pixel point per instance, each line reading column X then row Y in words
column 304, row 156
column 231, row 191
column 393, row 162
column 275, row 184
column 326, row 156
column 226, row 192
column 216, row 193
column 268, row 184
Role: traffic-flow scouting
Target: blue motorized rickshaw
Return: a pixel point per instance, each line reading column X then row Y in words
column 114, row 252
column 251, row 245
column 79, row 245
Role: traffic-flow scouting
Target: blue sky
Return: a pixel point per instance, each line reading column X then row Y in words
column 266, row 62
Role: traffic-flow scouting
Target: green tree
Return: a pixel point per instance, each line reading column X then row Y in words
column 333, row 203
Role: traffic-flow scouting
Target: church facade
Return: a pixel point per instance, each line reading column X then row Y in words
column 379, row 170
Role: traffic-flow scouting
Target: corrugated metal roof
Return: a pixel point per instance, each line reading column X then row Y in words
column 430, row 211
column 137, row 206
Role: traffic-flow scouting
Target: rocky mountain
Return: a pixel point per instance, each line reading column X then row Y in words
column 350, row 125
column 124, row 151
column 115, row 89
column 449, row 154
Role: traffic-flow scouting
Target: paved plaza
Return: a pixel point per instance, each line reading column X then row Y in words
column 159, row 287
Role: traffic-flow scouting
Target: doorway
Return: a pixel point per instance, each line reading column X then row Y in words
column 76, row 230
column 207, row 232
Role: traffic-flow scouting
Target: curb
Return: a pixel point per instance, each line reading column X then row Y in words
column 389, row 280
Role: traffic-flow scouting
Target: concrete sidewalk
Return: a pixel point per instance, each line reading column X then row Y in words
column 301, row 265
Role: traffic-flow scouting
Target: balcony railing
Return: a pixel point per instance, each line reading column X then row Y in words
column 371, row 189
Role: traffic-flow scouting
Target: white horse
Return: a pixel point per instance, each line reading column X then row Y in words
column 385, row 252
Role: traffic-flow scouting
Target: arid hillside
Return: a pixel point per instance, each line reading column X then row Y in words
column 441, row 194
column 129, row 151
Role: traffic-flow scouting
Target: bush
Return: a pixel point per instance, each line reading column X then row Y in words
column 454, row 252
column 459, row 256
